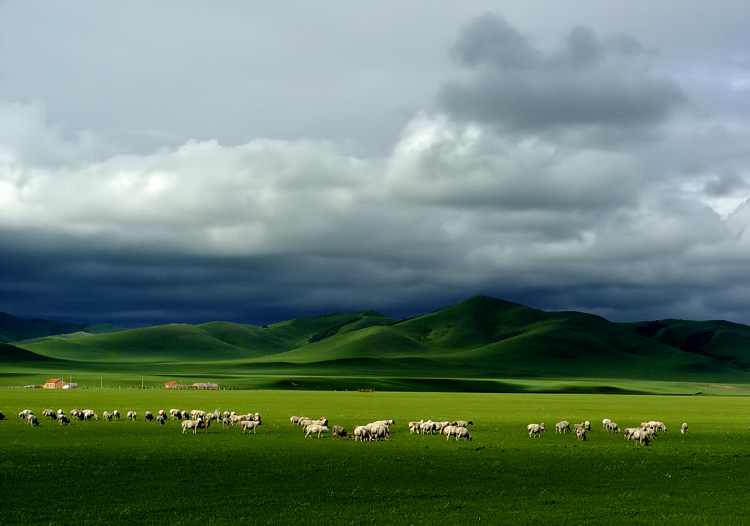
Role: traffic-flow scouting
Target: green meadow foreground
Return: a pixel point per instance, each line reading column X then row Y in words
column 137, row 472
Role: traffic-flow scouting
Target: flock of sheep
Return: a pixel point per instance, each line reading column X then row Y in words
column 381, row 429
column 191, row 421
column 642, row 434
column 378, row 430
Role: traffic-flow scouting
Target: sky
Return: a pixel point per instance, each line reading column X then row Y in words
column 185, row 161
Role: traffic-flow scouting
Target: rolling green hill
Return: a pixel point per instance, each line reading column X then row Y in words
column 480, row 338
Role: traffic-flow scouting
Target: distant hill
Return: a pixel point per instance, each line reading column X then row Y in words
column 14, row 329
column 480, row 338
column 9, row 353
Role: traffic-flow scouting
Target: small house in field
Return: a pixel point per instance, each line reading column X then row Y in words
column 205, row 385
column 55, row 383
column 172, row 385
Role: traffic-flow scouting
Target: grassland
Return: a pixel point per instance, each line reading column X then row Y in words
column 135, row 472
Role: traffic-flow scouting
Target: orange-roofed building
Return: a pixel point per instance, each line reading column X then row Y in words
column 172, row 385
column 55, row 383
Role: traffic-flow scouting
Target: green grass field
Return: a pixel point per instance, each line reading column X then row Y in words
column 136, row 472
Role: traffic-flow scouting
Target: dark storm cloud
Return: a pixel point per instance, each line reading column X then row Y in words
column 587, row 82
column 244, row 164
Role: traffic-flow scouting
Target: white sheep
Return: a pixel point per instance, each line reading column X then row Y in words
column 462, row 432
column 378, row 431
column 613, row 427
column 132, row 415
column 463, row 423
column 175, row 414
column 605, row 422
column 249, row 425
column 562, row 427
column 49, row 414
column 642, row 436
column 190, row 424
column 449, row 431
column 587, row 425
column 427, row 428
column 149, row 416
column 161, row 420
column 361, row 433
column 115, row 415
column 535, row 429
column 414, row 426
column 581, row 433
column 31, row 420
column 315, row 429
column 684, row 428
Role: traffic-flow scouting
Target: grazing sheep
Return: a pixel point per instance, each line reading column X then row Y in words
column 605, row 422
column 63, row 420
column 115, row 415
column 439, row 426
column 684, row 428
column 132, row 415
column 587, row 425
column 190, row 424
column 463, row 423
column 175, row 414
column 60, row 413
column 49, row 414
column 88, row 414
column 628, row 432
column 161, row 420
column 149, row 416
column 414, row 426
column 427, row 428
column 197, row 413
column 293, row 420
column 462, row 432
column 23, row 414
column 535, row 429
column 581, row 433
column 162, row 413
column 449, row 431
column 204, row 424
column 378, row 431
column 315, row 429
column 562, row 427
column 641, row 436
column 361, row 433
column 107, row 416
column 185, row 415
column 612, row 427
column 249, row 425
column 31, row 420
column 339, row 431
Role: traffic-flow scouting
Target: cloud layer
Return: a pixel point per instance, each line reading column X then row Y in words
column 545, row 176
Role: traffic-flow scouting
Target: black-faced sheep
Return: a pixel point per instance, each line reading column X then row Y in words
column 535, row 430
column 340, row 432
